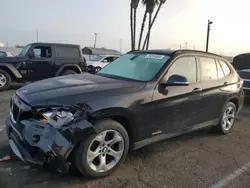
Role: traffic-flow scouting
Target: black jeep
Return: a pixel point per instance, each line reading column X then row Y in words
column 38, row 61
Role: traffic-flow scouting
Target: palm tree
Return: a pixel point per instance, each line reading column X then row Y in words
column 134, row 4
column 152, row 23
column 131, row 26
column 144, row 2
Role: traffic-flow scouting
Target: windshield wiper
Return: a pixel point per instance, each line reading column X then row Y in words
column 116, row 77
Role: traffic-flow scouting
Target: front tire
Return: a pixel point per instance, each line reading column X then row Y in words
column 5, row 80
column 227, row 119
column 100, row 154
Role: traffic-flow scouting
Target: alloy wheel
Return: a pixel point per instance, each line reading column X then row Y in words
column 3, row 80
column 228, row 118
column 105, row 151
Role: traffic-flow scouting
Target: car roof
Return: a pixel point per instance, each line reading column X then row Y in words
column 172, row 52
column 56, row 44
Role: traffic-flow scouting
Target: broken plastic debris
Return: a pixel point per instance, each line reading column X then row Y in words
column 5, row 158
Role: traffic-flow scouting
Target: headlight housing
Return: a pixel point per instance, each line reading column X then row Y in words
column 58, row 118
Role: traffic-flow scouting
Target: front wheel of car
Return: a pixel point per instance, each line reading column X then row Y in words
column 5, row 80
column 100, row 154
column 227, row 119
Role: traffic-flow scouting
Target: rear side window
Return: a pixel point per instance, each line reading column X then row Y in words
column 208, row 69
column 67, row 52
column 225, row 67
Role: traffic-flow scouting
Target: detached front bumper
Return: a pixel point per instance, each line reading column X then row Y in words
column 39, row 144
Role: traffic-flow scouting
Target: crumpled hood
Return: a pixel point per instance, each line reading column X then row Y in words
column 73, row 89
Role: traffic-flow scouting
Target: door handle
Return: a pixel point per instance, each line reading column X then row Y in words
column 195, row 90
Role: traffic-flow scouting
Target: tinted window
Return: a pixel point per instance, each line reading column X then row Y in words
column 108, row 59
column 2, row 54
column 225, row 68
column 67, row 52
column 220, row 71
column 42, row 52
column 208, row 69
column 141, row 67
column 185, row 66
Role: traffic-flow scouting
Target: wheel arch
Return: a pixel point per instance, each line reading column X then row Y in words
column 236, row 102
column 11, row 70
column 65, row 67
column 122, row 115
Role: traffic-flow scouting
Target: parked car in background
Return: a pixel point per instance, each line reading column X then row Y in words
column 5, row 54
column 38, row 61
column 92, row 120
column 241, row 63
column 97, row 62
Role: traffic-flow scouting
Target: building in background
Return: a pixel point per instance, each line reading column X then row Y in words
column 89, row 51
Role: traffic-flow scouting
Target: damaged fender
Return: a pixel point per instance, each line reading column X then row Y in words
column 51, row 141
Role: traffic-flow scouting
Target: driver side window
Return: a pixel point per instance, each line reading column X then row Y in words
column 108, row 59
column 42, row 52
column 184, row 66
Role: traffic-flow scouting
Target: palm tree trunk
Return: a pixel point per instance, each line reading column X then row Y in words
column 142, row 28
column 134, row 28
column 131, row 27
column 151, row 25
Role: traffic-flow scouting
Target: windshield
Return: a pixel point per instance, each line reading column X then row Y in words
column 140, row 67
column 96, row 58
column 24, row 50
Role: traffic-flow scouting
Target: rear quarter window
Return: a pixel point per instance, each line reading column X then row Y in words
column 67, row 52
column 225, row 67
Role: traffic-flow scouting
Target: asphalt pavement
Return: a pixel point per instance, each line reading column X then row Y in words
column 199, row 159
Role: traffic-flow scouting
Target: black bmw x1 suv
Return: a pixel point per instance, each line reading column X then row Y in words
column 92, row 121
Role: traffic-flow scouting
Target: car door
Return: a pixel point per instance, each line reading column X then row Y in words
column 177, row 107
column 213, row 97
column 41, row 65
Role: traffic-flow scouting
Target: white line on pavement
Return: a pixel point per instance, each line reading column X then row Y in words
column 1, row 130
column 1, row 127
column 228, row 179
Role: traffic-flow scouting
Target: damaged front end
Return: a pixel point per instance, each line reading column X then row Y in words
column 46, row 135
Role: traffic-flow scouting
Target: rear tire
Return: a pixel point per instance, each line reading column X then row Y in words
column 227, row 119
column 68, row 72
column 110, row 145
column 5, row 80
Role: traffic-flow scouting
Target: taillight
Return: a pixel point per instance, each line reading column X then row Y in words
column 241, row 82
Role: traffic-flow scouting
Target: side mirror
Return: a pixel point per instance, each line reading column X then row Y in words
column 105, row 61
column 175, row 80
column 31, row 54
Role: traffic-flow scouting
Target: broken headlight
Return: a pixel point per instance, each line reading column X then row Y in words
column 58, row 118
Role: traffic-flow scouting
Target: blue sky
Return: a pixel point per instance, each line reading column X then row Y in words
column 76, row 21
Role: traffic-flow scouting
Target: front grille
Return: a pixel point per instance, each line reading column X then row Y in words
column 15, row 112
